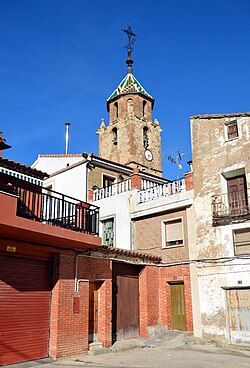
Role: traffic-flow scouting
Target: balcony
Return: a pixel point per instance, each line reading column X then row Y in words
column 157, row 191
column 117, row 188
column 53, row 208
column 229, row 208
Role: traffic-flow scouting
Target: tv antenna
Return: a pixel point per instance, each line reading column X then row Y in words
column 176, row 159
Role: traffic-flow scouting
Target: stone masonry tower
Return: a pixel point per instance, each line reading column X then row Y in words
column 131, row 137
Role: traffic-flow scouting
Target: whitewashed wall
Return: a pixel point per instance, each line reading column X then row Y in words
column 118, row 207
column 50, row 164
column 72, row 182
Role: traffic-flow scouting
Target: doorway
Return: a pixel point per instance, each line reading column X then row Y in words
column 93, row 310
column 178, row 310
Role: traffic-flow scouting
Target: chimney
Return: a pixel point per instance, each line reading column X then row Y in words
column 67, row 138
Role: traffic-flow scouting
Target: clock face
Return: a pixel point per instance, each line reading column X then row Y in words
column 148, row 155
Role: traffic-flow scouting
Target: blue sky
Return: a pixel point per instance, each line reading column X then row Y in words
column 61, row 59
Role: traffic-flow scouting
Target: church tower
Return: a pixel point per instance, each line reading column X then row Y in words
column 131, row 137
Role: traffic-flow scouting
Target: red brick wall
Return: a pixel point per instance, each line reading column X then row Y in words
column 189, row 181
column 174, row 274
column 69, row 331
column 100, row 270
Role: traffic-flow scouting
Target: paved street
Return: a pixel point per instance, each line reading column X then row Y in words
column 174, row 352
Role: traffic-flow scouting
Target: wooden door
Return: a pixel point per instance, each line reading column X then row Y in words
column 238, row 304
column 237, row 195
column 125, row 308
column 93, row 310
column 178, row 312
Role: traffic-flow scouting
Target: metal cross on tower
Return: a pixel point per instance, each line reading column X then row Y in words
column 131, row 40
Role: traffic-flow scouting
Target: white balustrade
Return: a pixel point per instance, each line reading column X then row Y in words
column 117, row 188
column 149, row 193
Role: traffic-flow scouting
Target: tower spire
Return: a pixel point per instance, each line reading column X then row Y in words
column 131, row 41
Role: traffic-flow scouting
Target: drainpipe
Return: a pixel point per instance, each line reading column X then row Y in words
column 77, row 281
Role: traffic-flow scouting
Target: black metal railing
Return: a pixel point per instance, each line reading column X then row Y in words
column 54, row 208
column 230, row 207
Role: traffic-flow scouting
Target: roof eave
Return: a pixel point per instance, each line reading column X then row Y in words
column 149, row 98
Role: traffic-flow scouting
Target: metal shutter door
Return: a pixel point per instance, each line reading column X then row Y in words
column 25, row 292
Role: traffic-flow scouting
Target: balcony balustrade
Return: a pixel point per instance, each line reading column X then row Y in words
column 50, row 207
column 230, row 207
column 157, row 191
column 117, row 188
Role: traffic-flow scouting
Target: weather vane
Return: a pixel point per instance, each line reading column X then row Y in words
column 131, row 40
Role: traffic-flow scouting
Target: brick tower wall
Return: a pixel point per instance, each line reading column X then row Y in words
column 134, row 113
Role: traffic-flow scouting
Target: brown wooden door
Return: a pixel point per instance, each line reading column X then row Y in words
column 93, row 310
column 178, row 312
column 237, row 195
column 25, row 292
column 125, row 308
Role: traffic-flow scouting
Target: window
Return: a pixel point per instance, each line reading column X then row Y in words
column 232, row 130
column 107, row 181
column 115, row 110
column 144, row 108
column 114, row 131
column 173, row 233
column 145, row 137
column 242, row 241
column 108, row 232
column 130, row 106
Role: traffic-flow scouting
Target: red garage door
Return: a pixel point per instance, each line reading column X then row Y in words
column 25, row 290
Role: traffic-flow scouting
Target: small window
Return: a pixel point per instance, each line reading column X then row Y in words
column 173, row 233
column 107, row 181
column 144, row 104
column 116, row 110
column 242, row 241
column 232, row 130
column 114, row 131
column 108, row 232
column 145, row 137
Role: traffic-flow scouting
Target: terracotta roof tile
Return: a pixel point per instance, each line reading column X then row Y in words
column 24, row 169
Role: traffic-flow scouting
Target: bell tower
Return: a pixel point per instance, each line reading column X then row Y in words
column 131, row 137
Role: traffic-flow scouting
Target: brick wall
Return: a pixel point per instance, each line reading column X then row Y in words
column 148, row 237
column 168, row 275
column 129, row 125
column 68, row 331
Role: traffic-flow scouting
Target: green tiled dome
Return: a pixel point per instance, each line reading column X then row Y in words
column 129, row 85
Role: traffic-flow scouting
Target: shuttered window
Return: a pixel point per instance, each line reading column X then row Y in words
column 242, row 241
column 174, row 232
column 232, row 130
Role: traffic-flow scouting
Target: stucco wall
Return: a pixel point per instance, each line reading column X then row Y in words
column 214, row 159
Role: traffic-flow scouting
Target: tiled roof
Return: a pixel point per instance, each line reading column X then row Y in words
column 107, row 250
column 21, row 168
column 221, row 116
column 129, row 85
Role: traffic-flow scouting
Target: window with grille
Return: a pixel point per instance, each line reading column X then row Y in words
column 108, row 232
column 242, row 241
column 232, row 130
column 173, row 233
